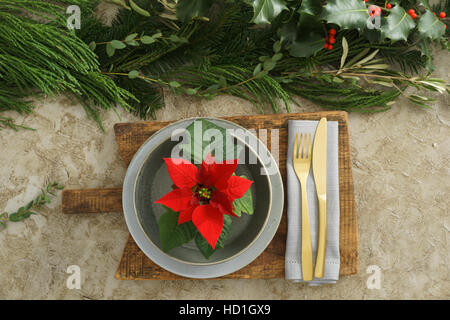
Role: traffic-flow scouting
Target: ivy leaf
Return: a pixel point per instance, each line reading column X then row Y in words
column 398, row 25
column 188, row 9
column 205, row 247
column 245, row 203
column 171, row 233
column 430, row 26
column 348, row 14
column 266, row 11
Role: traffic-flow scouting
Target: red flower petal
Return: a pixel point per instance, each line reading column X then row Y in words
column 177, row 199
column 221, row 201
column 209, row 222
column 182, row 172
column 237, row 187
column 206, row 172
column 186, row 215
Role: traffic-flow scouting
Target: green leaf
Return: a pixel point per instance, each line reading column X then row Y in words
column 430, row 26
column 131, row 37
column 174, row 84
column 277, row 46
column 222, row 82
column 110, row 50
column 116, row 44
column 257, row 69
column 269, row 65
column 188, row 9
column 344, row 52
column 213, row 88
column 199, row 146
column 204, row 246
column 348, row 14
column 308, row 36
column 172, row 234
column 245, row 203
column 138, row 9
column 277, row 56
column 397, row 25
column 191, row 91
column 92, row 45
column 311, row 7
column 133, row 74
column 266, row 11
column 157, row 35
column 175, row 38
column 307, row 45
column 147, row 40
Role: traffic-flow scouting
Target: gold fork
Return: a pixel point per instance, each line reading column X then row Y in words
column 302, row 163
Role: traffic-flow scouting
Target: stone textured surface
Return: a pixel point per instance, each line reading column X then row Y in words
column 402, row 191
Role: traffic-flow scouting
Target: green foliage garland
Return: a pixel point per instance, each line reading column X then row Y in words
column 262, row 51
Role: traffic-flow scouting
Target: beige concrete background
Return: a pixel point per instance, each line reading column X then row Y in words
column 402, row 190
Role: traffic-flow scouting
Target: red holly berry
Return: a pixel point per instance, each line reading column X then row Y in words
column 434, row 13
column 330, row 47
column 332, row 41
column 411, row 11
column 325, row 46
column 332, row 32
column 389, row 6
column 414, row 16
column 442, row 15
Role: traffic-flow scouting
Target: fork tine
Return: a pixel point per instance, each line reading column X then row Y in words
column 300, row 147
column 309, row 145
column 294, row 154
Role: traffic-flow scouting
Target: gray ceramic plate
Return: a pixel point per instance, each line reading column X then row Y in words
column 147, row 180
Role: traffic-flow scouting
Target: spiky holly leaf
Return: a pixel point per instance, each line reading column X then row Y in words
column 307, row 45
column 397, row 25
column 308, row 39
column 188, row 9
column 266, row 11
column 430, row 26
column 311, row 7
column 348, row 14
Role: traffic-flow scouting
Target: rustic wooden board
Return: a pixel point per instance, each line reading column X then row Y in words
column 135, row 265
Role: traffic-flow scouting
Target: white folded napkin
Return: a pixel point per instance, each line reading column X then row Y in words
column 293, row 264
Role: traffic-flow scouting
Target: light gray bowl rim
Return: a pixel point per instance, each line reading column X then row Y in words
column 176, row 266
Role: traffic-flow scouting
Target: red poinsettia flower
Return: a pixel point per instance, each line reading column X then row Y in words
column 205, row 194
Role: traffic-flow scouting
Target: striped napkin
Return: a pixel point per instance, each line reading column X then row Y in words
column 293, row 263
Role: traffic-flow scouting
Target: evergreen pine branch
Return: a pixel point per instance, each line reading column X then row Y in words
column 45, row 57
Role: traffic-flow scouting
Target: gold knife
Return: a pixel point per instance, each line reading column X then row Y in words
column 319, row 162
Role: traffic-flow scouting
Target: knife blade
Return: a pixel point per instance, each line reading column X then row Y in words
column 319, row 162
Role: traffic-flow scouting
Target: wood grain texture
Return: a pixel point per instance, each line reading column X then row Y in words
column 135, row 265
column 92, row 200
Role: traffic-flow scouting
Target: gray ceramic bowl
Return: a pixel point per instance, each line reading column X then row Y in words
column 147, row 180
